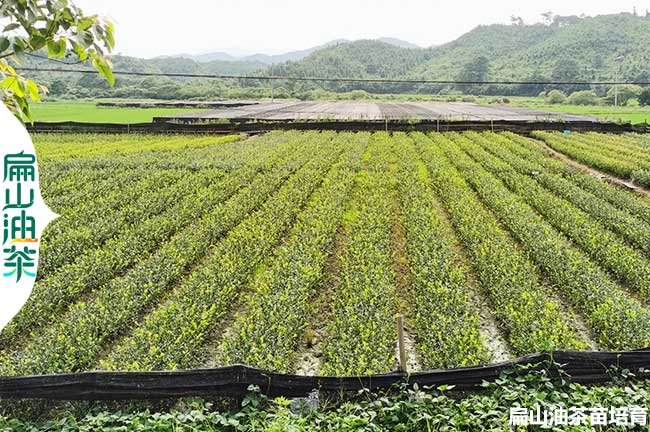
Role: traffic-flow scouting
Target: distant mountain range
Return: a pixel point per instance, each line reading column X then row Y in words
column 572, row 48
column 278, row 58
column 569, row 48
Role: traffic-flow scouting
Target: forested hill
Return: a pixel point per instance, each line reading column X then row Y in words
column 359, row 59
column 564, row 49
column 568, row 48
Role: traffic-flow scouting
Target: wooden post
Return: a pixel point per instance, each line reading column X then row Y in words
column 400, row 343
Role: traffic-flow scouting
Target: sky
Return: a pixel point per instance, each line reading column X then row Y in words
column 148, row 28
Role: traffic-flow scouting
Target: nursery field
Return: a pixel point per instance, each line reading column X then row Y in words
column 626, row 156
column 89, row 112
column 295, row 251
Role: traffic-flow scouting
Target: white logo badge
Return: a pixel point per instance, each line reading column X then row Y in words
column 24, row 216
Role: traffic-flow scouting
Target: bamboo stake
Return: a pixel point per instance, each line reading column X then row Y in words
column 400, row 342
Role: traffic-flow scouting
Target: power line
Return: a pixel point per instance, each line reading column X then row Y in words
column 583, row 69
column 345, row 80
column 55, row 60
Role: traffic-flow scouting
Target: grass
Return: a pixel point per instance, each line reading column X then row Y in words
column 632, row 114
column 87, row 111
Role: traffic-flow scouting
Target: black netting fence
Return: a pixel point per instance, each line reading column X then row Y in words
column 233, row 381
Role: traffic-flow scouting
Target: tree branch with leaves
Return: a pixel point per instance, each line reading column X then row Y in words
column 58, row 26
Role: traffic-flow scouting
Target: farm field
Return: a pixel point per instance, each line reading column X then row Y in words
column 89, row 112
column 295, row 252
column 632, row 114
column 626, row 156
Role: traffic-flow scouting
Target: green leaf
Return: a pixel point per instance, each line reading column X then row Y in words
column 84, row 24
column 10, row 27
column 4, row 44
column 110, row 31
column 104, row 70
column 19, row 51
column 52, row 48
column 13, row 84
column 37, row 42
column 87, row 38
column 63, row 47
column 57, row 25
column 33, row 90
column 79, row 51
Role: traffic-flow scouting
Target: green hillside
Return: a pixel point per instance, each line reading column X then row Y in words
column 359, row 59
column 216, row 67
column 493, row 41
column 593, row 44
column 564, row 49
column 568, row 49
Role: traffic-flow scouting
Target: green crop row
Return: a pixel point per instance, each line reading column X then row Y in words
column 279, row 308
column 639, row 139
column 608, row 249
column 361, row 336
column 600, row 157
column 533, row 321
column 96, row 267
column 626, row 145
column 74, row 342
column 633, row 229
column 623, row 149
column 66, row 183
column 173, row 334
column 611, row 145
column 622, row 211
column 627, row 201
column 605, row 159
column 58, row 173
column 89, row 224
column 66, row 146
column 65, row 187
column 446, row 325
column 619, row 321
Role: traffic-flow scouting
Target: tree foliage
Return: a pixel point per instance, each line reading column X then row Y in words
column 555, row 97
column 623, row 94
column 584, row 97
column 644, row 97
column 475, row 70
column 56, row 26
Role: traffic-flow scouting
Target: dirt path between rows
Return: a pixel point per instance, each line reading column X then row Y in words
column 402, row 282
column 310, row 348
column 625, row 184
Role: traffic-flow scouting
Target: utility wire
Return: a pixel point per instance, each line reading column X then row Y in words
column 345, row 80
column 264, row 77
column 54, row 60
column 583, row 69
